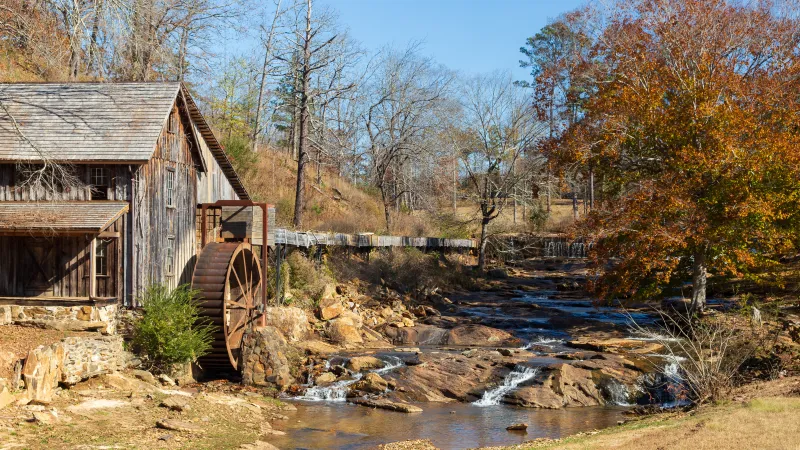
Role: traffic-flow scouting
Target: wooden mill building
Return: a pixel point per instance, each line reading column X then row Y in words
column 134, row 161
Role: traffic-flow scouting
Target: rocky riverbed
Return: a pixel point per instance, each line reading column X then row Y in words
column 528, row 351
column 529, row 344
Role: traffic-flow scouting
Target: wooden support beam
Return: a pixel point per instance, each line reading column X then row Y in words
column 93, row 269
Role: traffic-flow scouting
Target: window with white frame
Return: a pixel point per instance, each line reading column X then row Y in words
column 169, row 260
column 101, row 257
column 170, row 188
column 98, row 178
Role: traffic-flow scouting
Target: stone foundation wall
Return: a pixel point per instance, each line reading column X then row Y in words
column 264, row 358
column 101, row 318
column 68, row 362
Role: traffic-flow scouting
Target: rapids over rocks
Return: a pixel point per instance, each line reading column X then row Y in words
column 535, row 350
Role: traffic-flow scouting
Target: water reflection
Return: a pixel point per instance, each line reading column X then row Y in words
column 348, row 426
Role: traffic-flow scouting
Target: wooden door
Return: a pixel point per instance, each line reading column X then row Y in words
column 38, row 274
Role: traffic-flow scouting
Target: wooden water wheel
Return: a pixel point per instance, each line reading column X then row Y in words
column 228, row 276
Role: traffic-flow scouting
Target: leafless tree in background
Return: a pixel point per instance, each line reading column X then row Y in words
column 496, row 129
column 403, row 92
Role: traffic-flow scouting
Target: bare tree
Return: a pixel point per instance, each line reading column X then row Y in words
column 310, row 47
column 497, row 128
column 405, row 89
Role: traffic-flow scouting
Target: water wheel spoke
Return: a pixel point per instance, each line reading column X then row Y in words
column 239, row 324
column 235, row 304
column 247, row 277
column 238, row 280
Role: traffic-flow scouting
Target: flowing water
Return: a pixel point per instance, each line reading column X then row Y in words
column 337, row 392
column 519, row 375
column 325, row 420
column 449, row 425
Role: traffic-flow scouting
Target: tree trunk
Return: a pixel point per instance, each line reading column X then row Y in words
column 699, row 276
column 482, row 246
column 455, row 187
column 591, row 189
column 182, row 53
column 548, row 189
column 574, row 205
column 262, row 83
column 302, row 151
column 386, row 209
column 94, row 47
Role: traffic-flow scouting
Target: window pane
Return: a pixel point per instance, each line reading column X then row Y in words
column 170, row 188
column 170, row 258
column 101, row 258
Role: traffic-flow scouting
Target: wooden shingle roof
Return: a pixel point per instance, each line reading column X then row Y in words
column 95, row 122
column 89, row 217
column 83, row 121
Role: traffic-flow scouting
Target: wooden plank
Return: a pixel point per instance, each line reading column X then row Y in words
column 92, row 269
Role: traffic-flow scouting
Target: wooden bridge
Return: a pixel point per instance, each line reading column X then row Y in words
column 243, row 220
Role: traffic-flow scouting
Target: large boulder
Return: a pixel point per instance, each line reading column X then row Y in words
column 372, row 383
column 330, row 308
column 264, row 358
column 419, row 334
column 443, row 377
column 564, row 386
column 42, row 372
column 479, row 335
column 5, row 315
column 390, row 405
column 290, row 321
column 7, row 362
column 616, row 345
column 342, row 331
column 359, row 363
column 6, row 397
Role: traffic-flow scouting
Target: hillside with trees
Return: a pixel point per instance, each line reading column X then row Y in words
column 634, row 205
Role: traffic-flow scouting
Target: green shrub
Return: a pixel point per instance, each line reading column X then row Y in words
column 170, row 330
column 538, row 216
column 307, row 279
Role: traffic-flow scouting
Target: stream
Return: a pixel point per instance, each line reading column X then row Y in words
column 447, row 425
column 324, row 418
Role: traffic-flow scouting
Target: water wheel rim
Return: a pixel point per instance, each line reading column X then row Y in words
column 238, row 314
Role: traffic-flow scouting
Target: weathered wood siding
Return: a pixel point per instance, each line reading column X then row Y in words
column 12, row 187
column 57, row 266
column 158, row 226
column 212, row 185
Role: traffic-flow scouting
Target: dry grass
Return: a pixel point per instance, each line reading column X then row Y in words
column 561, row 218
column 763, row 423
column 332, row 205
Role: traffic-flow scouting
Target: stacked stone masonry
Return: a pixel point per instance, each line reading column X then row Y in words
column 68, row 362
column 67, row 318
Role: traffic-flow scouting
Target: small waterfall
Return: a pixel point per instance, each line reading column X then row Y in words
column 392, row 362
column 666, row 388
column 617, row 393
column 335, row 392
column 519, row 375
column 542, row 341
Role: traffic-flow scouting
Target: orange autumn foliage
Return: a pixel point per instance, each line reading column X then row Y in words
column 693, row 131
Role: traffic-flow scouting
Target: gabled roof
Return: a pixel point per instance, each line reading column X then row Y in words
column 102, row 122
column 88, row 217
column 83, row 121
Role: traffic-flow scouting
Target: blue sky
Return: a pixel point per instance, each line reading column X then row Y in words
column 471, row 36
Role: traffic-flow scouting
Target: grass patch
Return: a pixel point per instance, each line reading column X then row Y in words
column 764, row 423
